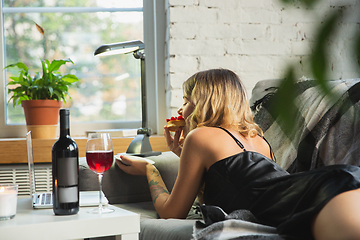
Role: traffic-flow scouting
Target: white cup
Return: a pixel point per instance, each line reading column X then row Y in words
column 8, row 201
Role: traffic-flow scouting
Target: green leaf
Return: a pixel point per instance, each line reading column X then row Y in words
column 24, row 97
column 284, row 106
column 357, row 50
column 36, row 77
column 70, row 78
column 307, row 3
column 15, row 81
column 20, row 65
column 51, row 90
column 44, row 69
column 319, row 58
column 56, row 64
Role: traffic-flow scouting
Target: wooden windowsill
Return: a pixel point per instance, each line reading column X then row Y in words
column 13, row 150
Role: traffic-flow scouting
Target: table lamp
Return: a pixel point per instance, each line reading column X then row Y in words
column 140, row 145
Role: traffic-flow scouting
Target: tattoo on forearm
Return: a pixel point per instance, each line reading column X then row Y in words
column 156, row 189
column 155, row 173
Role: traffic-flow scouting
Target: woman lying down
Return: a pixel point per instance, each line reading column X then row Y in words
column 225, row 151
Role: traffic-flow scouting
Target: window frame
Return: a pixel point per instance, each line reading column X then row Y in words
column 154, row 40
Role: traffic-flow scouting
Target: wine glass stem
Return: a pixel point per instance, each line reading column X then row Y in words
column 100, row 176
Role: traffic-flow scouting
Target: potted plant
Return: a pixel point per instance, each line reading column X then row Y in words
column 41, row 95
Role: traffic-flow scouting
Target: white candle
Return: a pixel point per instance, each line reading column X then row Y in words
column 8, row 201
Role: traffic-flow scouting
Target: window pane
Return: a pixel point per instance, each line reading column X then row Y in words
column 109, row 87
column 72, row 3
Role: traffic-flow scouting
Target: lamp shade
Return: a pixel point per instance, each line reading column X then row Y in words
column 119, row 48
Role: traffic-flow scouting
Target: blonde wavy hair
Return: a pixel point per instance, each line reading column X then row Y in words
column 220, row 100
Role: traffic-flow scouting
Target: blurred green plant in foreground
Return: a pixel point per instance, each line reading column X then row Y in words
column 284, row 100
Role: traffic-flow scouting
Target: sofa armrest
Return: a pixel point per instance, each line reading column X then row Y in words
column 120, row 187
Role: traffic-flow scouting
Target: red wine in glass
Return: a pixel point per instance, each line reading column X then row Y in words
column 99, row 157
column 99, row 161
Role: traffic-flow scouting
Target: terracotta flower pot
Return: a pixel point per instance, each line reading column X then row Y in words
column 41, row 112
column 42, row 117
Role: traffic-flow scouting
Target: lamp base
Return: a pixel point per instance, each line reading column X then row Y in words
column 140, row 145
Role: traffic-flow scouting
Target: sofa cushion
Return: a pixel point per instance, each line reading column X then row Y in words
column 165, row 229
column 145, row 209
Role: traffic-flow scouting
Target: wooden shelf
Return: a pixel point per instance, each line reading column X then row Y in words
column 14, row 150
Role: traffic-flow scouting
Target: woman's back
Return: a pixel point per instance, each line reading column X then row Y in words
column 229, row 179
column 216, row 144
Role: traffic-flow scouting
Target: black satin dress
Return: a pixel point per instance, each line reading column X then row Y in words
column 251, row 181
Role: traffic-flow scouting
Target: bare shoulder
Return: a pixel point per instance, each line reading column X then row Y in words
column 210, row 144
column 202, row 135
column 202, row 139
column 260, row 145
column 198, row 149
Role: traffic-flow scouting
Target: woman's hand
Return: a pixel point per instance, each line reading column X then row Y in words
column 133, row 165
column 174, row 142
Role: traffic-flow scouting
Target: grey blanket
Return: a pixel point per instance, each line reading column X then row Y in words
column 240, row 224
column 326, row 130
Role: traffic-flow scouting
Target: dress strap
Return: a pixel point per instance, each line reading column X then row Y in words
column 236, row 140
column 271, row 151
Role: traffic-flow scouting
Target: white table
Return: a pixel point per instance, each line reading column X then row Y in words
column 43, row 224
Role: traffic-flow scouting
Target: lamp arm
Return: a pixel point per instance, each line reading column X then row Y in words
column 139, row 55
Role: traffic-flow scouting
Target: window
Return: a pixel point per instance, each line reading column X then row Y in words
column 109, row 93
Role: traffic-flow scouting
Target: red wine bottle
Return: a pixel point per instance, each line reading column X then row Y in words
column 65, row 170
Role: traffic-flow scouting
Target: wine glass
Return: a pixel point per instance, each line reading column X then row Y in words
column 99, row 157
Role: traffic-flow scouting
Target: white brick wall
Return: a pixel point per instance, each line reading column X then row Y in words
column 256, row 39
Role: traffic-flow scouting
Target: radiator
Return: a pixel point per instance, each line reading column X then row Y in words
column 19, row 174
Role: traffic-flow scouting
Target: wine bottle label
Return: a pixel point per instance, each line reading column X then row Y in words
column 68, row 195
column 67, row 171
